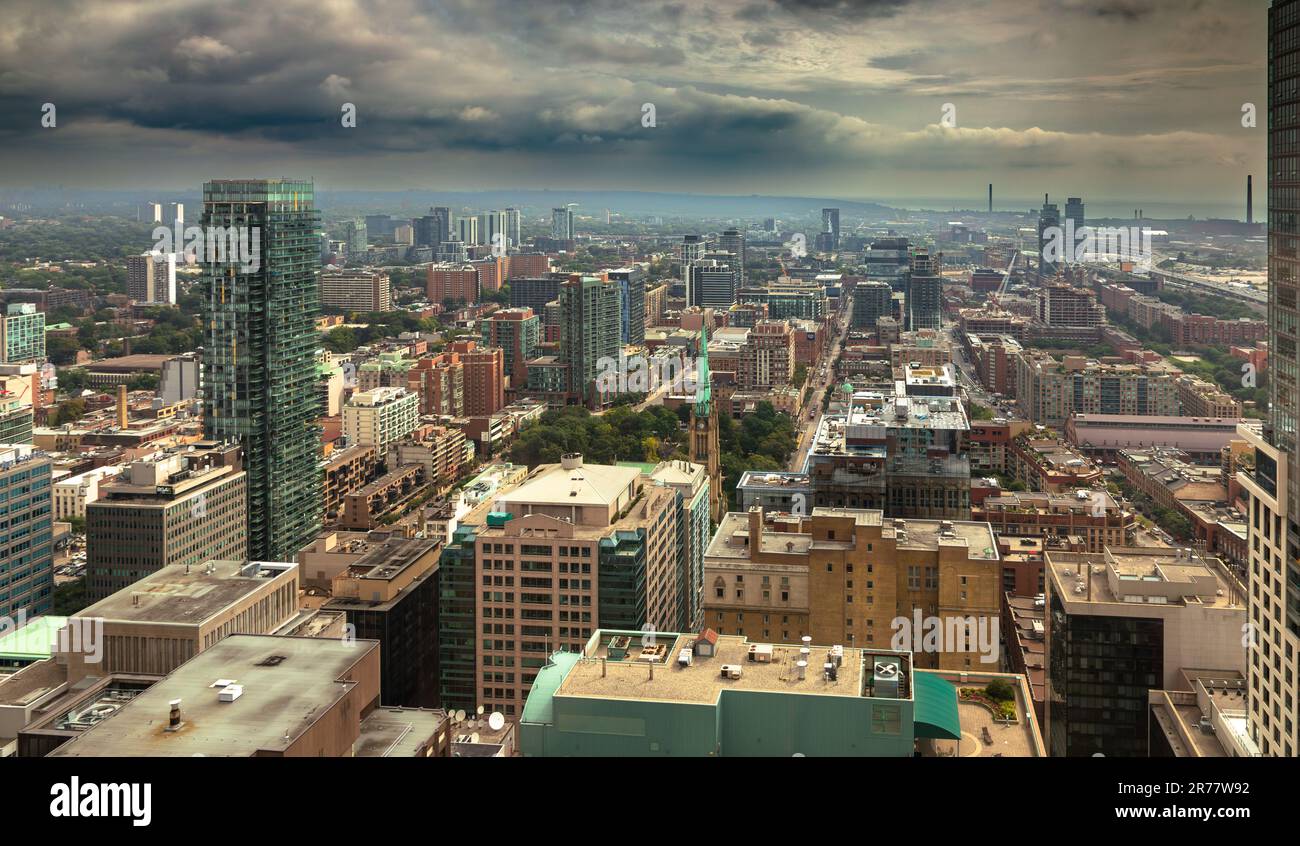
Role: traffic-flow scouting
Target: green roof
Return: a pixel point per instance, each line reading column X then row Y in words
column 646, row 467
column 936, row 707
column 34, row 641
column 539, row 706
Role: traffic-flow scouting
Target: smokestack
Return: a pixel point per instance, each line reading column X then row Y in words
column 1250, row 199
column 121, row 406
column 990, row 198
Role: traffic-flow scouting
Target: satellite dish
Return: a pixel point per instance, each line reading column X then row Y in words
column 460, row 715
column 479, row 711
column 496, row 722
column 473, row 738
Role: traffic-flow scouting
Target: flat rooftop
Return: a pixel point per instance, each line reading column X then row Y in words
column 397, row 732
column 702, row 682
column 1148, row 576
column 588, row 484
column 180, row 594
column 288, row 683
column 907, row 533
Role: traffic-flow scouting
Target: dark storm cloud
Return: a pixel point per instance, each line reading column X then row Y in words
column 750, row 95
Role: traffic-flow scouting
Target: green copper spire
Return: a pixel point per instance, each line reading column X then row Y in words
column 703, row 382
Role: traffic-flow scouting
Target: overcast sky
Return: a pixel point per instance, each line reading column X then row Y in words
column 1115, row 99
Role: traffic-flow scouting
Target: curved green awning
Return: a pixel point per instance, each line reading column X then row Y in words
column 935, row 701
column 538, row 707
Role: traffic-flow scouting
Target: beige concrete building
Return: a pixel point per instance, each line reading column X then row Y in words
column 1273, row 693
column 574, row 546
column 850, row 576
column 380, row 417
column 177, row 507
column 177, row 612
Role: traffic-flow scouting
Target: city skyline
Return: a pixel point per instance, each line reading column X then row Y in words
column 836, row 99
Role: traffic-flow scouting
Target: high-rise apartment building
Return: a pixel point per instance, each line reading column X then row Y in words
column 1273, row 671
column 631, row 297
column 562, row 224
column 356, row 240
column 831, row 227
column 356, row 290
column 924, row 292
column 485, row 380
column 22, row 334
column 513, row 228
column 887, row 260
column 733, row 241
column 151, row 277
column 380, row 417
column 1049, row 227
column 181, row 507
column 574, row 548
column 872, row 300
column 27, row 547
column 259, row 357
column 767, row 358
column 452, row 282
column 535, row 291
column 517, row 332
column 467, row 230
column 589, row 332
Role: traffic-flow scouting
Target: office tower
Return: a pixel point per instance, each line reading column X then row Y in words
column 152, row 213
column 887, row 260
column 712, row 284
column 689, row 251
column 356, row 240
column 442, row 226
column 924, row 292
column 1049, row 230
column 589, row 331
column 454, row 251
column 433, row 228
column 535, row 292
column 831, row 227
column 1123, row 623
column 513, row 228
column 173, row 214
column 27, row 547
column 450, row 282
column 356, row 290
column 562, row 224
column 380, row 417
column 1273, row 672
column 733, row 241
column 589, row 545
column 491, row 224
column 151, row 277
column 485, row 380
column 467, row 230
column 390, row 594
column 380, row 226
column 170, row 508
column 703, row 446
column 631, row 295
column 22, row 334
column 872, row 300
column 1074, row 212
column 259, row 357
column 517, row 332
column 769, row 224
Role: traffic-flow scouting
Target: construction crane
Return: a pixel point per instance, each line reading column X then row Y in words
column 996, row 297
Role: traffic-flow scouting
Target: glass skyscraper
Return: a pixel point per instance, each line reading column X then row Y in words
column 259, row 356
